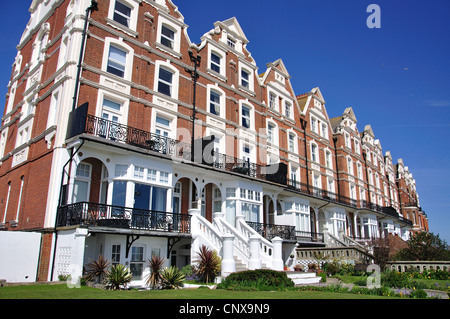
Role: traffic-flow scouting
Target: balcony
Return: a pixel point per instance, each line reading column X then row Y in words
column 100, row 215
column 270, row 231
column 82, row 123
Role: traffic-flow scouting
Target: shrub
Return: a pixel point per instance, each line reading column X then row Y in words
column 155, row 265
column 209, row 265
column 261, row 279
column 97, row 269
column 117, row 277
column 172, row 278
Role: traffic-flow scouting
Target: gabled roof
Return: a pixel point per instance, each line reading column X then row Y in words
column 278, row 64
column 349, row 112
column 368, row 130
column 317, row 93
column 232, row 26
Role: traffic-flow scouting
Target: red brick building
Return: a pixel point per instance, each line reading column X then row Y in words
column 97, row 153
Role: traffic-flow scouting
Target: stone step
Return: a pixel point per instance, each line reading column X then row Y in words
column 303, row 278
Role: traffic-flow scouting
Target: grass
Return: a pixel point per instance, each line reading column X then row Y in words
column 63, row 292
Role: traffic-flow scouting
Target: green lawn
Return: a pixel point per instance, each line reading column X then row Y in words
column 63, row 292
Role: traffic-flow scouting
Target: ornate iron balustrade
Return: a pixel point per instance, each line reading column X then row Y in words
column 177, row 150
column 270, row 231
column 100, row 215
column 309, row 236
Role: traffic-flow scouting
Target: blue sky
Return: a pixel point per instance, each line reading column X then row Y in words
column 396, row 78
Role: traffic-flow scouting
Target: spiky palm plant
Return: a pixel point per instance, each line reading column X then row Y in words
column 172, row 278
column 155, row 265
column 96, row 269
column 209, row 266
column 117, row 277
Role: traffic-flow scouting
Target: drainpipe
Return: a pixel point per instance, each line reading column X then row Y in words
column 94, row 6
column 337, row 168
column 195, row 76
column 367, row 175
column 304, row 123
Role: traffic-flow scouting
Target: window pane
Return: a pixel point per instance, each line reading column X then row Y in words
column 84, row 170
column 215, row 103
column 159, row 199
column 116, row 61
column 162, row 121
column 165, row 82
column 111, row 105
column 215, row 62
column 167, row 37
column 122, row 14
column 80, row 191
column 119, row 193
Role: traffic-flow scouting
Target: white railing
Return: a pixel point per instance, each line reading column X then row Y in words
column 266, row 252
column 204, row 233
column 241, row 243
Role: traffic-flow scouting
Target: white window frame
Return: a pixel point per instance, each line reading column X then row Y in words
column 328, row 159
column 175, row 79
column 128, row 61
column 251, row 115
column 131, row 28
column 116, row 98
column 171, row 118
column 176, row 26
column 292, row 145
column 222, row 99
column 315, row 155
column 272, row 137
column 314, row 124
column 250, row 72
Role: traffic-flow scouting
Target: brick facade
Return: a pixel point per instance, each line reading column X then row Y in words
column 274, row 132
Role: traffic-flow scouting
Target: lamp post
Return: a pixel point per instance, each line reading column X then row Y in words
column 196, row 60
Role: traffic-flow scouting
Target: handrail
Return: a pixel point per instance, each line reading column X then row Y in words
column 240, row 242
column 266, row 252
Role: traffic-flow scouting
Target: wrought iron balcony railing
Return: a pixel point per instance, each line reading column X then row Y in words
column 270, row 231
column 101, row 215
column 178, row 150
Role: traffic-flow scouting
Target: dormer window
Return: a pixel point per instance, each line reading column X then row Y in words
column 122, row 14
column 167, row 37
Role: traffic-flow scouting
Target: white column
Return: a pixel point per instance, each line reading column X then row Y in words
column 228, row 263
column 277, row 263
column 255, row 248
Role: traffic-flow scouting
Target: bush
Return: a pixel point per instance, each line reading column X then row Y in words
column 118, row 277
column 172, row 278
column 261, row 279
column 209, row 265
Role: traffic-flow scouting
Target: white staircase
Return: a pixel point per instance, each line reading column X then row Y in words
column 240, row 246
